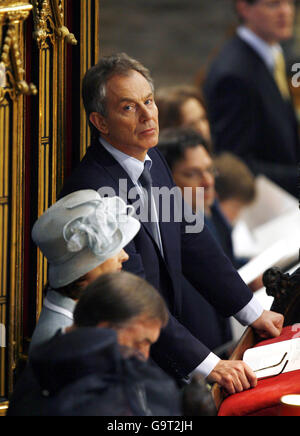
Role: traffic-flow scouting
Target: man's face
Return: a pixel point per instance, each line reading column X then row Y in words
column 140, row 334
column 131, row 124
column 272, row 20
column 196, row 170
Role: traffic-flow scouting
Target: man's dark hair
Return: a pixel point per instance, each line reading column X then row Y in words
column 250, row 2
column 117, row 298
column 173, row 143
column 235, row 180
column 96, row 78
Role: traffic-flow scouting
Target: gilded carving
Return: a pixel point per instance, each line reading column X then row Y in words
column 12, row 73
column 49, row 22
column 48, row 115
column 61, row 30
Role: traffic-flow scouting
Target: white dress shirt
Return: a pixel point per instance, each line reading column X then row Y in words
column 266, row 51
column 250, row 313
column 134, row 169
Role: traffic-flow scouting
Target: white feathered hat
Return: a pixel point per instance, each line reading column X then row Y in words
column 80, row 232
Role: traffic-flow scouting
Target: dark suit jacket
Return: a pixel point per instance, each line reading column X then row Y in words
column 197, row 256
column 221, row 229
column 249, row 117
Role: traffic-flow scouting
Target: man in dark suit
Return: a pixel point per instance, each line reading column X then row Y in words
column 247, row 93
column 118, row 96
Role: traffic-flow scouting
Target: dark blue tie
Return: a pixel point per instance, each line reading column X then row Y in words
column 146, row 182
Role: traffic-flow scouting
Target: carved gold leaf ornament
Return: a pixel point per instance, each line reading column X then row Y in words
column 49, row 25
column 12, row 80
column 61, row 30
column 14, row 5
column 49, row 22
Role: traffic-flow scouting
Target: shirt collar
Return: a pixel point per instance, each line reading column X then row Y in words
column 266, row 51
column 132, row 166
column 60, row 300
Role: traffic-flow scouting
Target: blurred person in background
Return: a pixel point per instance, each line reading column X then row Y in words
column 248, row 97
column 193, row 166
column 235, row 186
column 183, row 106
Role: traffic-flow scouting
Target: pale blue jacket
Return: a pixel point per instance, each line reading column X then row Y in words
column 57, row 313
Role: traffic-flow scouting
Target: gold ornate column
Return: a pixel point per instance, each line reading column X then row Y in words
column 89, row 54
column 51, row 35
column 13, row 88
column 38, row 139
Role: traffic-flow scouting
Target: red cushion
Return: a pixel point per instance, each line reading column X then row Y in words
column 264, row 399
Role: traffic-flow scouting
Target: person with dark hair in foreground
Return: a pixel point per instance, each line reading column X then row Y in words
column 98, row 366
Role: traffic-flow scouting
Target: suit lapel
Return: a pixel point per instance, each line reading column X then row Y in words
column 262, row 72
column 122, row 182
column 168, row 230
column 113, row 168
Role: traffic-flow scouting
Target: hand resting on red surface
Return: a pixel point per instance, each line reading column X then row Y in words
column 234, row 375
column 269, row 325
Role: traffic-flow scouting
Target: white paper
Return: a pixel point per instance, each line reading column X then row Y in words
column 285, row 227
column 271, row 202
column 244, row 244
column 281, row 254
column 273, row 216
column 271, row 360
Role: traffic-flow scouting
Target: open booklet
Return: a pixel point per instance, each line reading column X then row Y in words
column 274, row 359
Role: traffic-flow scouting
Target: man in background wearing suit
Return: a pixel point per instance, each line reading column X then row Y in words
column 247, row 93
column 118, row 95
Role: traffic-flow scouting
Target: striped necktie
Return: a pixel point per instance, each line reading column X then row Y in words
column 280, row 75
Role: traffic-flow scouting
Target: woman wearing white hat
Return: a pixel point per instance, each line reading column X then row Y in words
column 82, row 236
